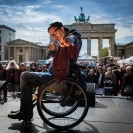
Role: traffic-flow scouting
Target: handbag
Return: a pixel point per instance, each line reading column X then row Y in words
column 128, row 90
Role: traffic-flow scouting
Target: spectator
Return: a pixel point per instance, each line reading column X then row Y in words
column 87, row 69
column 39, row 68
column 122, row 72
column 128, row 81
column 100, row 84
column 116, row 72
column 4, row 86
column 109, row 69
column 91, row 77
column 101, row 77
column 44, row 68
column 111, row 63
column 108, row 84
column 33, row 67
column 104, row 67
column 22, row 68
column 12, row 77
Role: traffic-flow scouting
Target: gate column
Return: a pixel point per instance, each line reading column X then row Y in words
column 100, row 46
column 112, row 46
column 89, row 46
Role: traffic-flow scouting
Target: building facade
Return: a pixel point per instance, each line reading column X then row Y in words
column 22, row 50
column 97, row 31
column 7, row 34
column 125, row 50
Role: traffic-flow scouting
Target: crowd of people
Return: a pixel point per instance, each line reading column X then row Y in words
column 11, row 74
column 112, row 78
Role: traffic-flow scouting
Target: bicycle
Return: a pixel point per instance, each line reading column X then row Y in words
column 61, row 106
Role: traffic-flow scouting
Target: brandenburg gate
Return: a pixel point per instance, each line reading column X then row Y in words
column 95, row 31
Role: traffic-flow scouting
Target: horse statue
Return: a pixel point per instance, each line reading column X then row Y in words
column 88, row 19
column 76, row 20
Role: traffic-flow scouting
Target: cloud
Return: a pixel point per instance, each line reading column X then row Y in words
column 17, row 2
column 30, row 18
column 29, row 24
column 26, row 14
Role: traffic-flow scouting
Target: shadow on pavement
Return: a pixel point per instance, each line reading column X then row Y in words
column 33, row 129
column 19, row 127
column 88, row 128
column 100, row 105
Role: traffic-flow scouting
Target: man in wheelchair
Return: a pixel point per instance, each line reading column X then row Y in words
column 65, row 49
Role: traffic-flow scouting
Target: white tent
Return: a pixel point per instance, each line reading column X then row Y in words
column 82, row 58
column 86, row 58
column 126, row 61
column 129, row 60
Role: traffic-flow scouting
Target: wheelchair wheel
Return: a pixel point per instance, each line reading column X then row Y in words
column 62, row 106
column 59, row 94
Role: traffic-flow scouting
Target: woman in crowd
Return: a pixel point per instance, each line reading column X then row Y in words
column 91, row 77
column 12, row 77
column 33, row 67
column 127, row 86
column 108, row 84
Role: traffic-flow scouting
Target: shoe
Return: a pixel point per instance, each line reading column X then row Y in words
column 17, row 115
column 14, row 111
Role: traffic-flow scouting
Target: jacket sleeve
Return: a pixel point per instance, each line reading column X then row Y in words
column 75, row 46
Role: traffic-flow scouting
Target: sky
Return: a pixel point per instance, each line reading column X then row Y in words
column 31, row 18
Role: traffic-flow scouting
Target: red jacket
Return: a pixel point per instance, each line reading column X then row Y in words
column 16, row 75
column 65, row 55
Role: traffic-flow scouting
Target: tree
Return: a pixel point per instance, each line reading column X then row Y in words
column 105, row 52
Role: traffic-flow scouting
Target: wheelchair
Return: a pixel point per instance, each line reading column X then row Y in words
column 61, row 105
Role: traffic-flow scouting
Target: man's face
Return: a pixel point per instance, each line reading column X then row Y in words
column 109, row 70
column 56, row 33
column 91, row 71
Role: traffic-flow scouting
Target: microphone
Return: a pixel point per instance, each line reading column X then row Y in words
column 50, row 43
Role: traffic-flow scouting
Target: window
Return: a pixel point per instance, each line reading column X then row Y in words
column 9, row 39
column 20, row 50
column 0, row 39
column 9, row 34
column 0, row 31
column 0, row 47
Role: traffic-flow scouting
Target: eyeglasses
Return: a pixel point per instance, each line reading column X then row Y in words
column 54, row 33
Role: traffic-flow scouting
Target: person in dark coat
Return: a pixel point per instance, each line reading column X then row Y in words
column 108, row 83
column 116, row 72
column 12, row 77
column 122, row 72
column 101, row 77
column 113, row 76
column 111, row 63
column 91, row 77
column 128, row 80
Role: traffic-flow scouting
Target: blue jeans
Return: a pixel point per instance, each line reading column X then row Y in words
column 107, row 91
column 27, row 81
